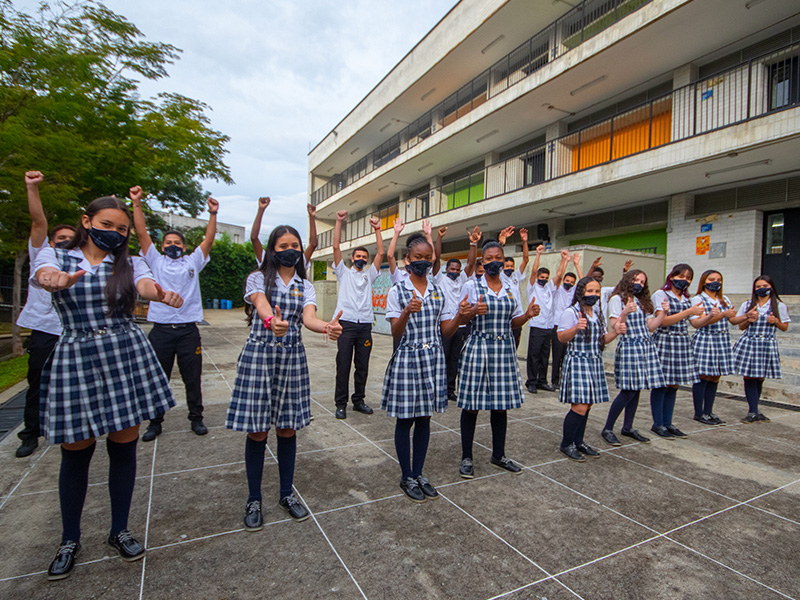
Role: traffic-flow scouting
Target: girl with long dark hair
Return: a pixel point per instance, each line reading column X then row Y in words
column 488, row 375
column 674, row 348
column 755, row 353
column 272, row 386
column 583, row 378
column 711, row 344
column 636, row 363
column 104, row 377
column 415, row 384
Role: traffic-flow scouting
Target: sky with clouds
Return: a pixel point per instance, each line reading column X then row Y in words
column 279, row 75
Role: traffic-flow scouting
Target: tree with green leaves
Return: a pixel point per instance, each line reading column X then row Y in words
column 70, row 107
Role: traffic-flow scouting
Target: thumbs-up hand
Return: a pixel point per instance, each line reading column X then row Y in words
column 53, row 281
column 465, row 307
column 481, row 307
column 533, row 309
column 172, row 299
column 415, row 304
column 582, row 323
column 630, row 306
column 773, row 320
column 752, row 315
column 715, row 311
column 334, row 329
column 697, row 310
column 665, row 305
column 278, row 325
column 620, row 327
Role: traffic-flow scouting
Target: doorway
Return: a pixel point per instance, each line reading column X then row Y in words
column 781, row 254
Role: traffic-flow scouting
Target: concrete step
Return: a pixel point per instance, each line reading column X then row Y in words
column 781, row 391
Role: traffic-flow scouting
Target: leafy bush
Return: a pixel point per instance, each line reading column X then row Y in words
column 225, row 274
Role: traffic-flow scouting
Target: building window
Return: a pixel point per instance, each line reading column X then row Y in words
column 784, row 83
column 775, row 234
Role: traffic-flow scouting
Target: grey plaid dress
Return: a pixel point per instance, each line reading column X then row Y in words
column 488, row 373
column 711, row 345
column 104, row 375
column 583, row 378
column 636, row 363
column 415, row 384
column 674, row 347
column 272, row 386
column 755, row 353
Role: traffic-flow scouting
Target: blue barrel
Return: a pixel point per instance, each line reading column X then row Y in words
column 215, row 303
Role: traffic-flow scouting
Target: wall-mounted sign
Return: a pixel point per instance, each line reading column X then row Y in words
column 705, row 228
column 703, row 243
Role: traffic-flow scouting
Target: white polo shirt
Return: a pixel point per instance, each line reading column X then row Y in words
column 394, row 310
column 47, row 258
column 255, row 283
column 179, row 275
column 471, row 291
column 562, row 300
column 38, row 313
column 544, row 298
column 355, row 292
column 783, row 311
column 513, row 282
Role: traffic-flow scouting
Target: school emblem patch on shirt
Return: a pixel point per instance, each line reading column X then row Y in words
column 191, row 273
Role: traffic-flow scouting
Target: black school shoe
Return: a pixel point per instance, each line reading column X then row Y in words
column 706, row 420
column 506, row 463
column 426, row 487
column 412, row 490
column 199, row 427
column 716, row 419
column 128, row 546
column 466, row 470
column 292, row 505
column 253, row 519
column 588, row 450
column 27, row 447
column 545, row 387
column 362, row 408
column 62, row 564
column 750, row 418
column 341, row 413
column 762, row 418
column 153, row 431
column 609, row 436
column 632, row 433
column 531, row 389
column 676, row 432
column 572, row 453
column 662, row 432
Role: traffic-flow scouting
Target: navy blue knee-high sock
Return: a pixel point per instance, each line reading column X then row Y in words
column 402, row 445
column 699, row 397
column 751, row 393
column 572, row 422
column 581, row 429
column 630, row 411
column 710, row 395
column 468, row 422
column 617, row 406
column 287, row 452
column 657, row 406
column 422, row 435
column 254, row 465
column 499, row 421
column 73, row 481
column 121, row 479
column 669, row 405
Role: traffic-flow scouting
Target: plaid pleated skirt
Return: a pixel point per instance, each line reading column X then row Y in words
column 636, row 364
column 677, row 361
column 712, row 352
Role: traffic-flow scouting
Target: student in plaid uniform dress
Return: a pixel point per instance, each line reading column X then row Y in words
column 104, row 377
column 711, row 344
column 636, row 363
column 583, row 378
column 272, row 387
column 415, row 384
column 755, row 354
column 488, row 377
column 674, row 348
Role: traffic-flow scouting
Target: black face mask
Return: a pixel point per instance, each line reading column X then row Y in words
column 637, row 288
column 492, row 269
column 680, row 284
column 173, row 251
column 453, row 275
column 288, row 258
column 508, row 272
column 714, row 286
column 591, row 300
column 568, row 286
column 763, row 292
column 542, row 282
column 107, row 240
column 419, row 267
column 359, row 264
column 63, row 244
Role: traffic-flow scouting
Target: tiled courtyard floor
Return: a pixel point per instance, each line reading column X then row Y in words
column 716, row 516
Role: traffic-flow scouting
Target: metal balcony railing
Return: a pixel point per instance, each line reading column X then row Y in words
column 583, row 22
column 748, row 91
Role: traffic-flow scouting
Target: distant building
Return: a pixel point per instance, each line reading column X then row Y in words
column 180, row 221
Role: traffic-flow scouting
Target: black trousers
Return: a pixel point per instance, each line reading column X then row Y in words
column 559, row 350
column 452, row 346
column 181, row 341
column 538, row 355
column 40, row 349
column 354, row 346
column 517, row 335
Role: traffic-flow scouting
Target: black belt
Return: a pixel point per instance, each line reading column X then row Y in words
column 173, row 325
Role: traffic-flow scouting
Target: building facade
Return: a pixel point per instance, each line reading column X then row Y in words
column 235, row 232
column 663, row 126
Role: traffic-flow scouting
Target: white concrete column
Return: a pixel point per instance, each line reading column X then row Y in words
column 558, row 156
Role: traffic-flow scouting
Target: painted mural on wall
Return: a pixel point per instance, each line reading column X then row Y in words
column 380, row 292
